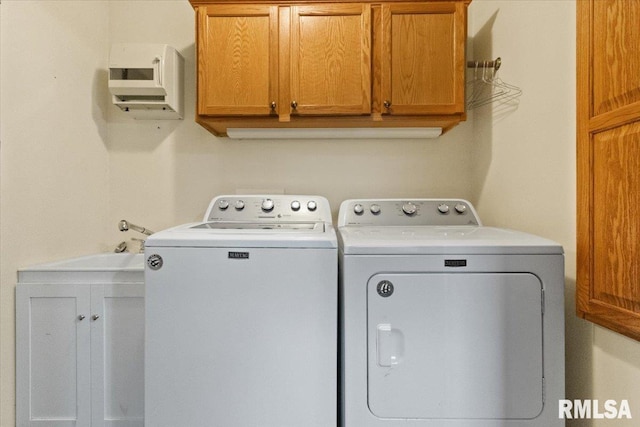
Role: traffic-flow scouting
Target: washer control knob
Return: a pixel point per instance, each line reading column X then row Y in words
column 268, row 205
column 460, row 208
column 312, row 206
column 375, row 209
column 239, row 205
column 223, row 205
column 295, row 206
column 409, row 208
column 443, row 208
column 358, row 209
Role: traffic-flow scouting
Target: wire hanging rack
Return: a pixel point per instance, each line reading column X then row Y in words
column 486, row 87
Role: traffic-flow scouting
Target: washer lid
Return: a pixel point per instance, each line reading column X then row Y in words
column 316, row 227
column 398, row 240
column 246, row 235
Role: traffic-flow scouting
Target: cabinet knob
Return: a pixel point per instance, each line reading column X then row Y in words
column 273, row 105
column 387, row 104
column 81, row 317
column 95, row 317
column 294, row 104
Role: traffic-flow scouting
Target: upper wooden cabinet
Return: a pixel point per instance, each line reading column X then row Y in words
column 423, row 60
column 325, row 64
column 330, row 68
column 237, row 59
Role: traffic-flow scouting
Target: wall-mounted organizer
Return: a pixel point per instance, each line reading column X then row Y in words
column 485, row 87
column 145, row 80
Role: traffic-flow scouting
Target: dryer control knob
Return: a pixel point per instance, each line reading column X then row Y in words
column 268, row 205
column 295, row 206
column 375, row 209
column 409, row 208
column 312, row 206
column 239, row 205
column 223, row 205
column 443, row 208
column 358, row 209
column 460, row 208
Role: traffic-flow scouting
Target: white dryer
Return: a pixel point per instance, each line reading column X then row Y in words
column 241, row 316
column 445, row 322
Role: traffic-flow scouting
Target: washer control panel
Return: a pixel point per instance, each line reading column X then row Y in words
column 271, row 208
column 438, row 212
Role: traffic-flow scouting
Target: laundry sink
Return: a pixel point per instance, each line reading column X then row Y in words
column 80, row 323
column 102, row 268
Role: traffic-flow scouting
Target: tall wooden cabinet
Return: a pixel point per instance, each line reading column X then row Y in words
column 608, row 169
column 270, row 64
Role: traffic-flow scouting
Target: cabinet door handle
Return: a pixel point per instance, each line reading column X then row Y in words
column 81, row 317
column 294, row 104
column 273, row 105
column 95, row 317
column 387, row 104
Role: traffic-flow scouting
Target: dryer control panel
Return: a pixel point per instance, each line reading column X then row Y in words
column 268, row 208
column 407, row 212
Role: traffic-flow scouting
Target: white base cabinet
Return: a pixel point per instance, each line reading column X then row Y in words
column 80, row 354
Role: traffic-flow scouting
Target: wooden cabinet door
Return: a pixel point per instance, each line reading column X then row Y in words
column 237, row 59
column 423, row 59
column 330, row 59
column 608, row 168
column 615, row 45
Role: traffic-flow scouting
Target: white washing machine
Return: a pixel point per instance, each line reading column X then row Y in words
column 241, row 316
column 444, row 322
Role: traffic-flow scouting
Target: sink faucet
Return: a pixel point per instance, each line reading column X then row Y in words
column 125, row 225
column 122, row 247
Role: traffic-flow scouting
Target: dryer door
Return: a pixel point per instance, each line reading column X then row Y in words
column 465, row 346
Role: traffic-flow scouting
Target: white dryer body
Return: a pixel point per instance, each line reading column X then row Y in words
column 449, row 325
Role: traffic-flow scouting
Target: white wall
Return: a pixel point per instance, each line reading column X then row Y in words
column 72, row 165
column 54, row 158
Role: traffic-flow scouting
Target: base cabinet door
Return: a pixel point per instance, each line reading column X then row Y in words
column 79, row 355
column 117, row 355
column 52, row 356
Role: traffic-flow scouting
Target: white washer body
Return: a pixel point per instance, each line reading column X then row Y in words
column 241, row 317
column 452, row 325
